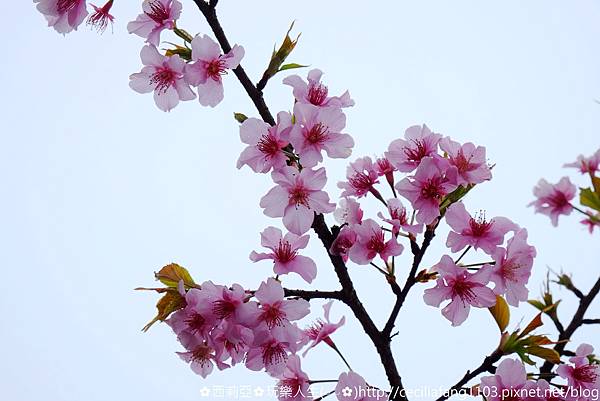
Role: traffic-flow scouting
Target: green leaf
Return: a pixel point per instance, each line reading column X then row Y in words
column 547, row 354
column 168, row 304
column 239, row 117
column 596, row 184
column 537, row 304
column 501, row 313
column 280, row 55
column 534, row 324
column 589, row 198
column 291, row 66
column 172, row 274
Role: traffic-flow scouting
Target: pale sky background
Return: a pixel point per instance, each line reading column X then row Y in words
column 100, row 188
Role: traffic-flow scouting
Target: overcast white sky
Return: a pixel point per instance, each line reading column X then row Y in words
column 100, row 188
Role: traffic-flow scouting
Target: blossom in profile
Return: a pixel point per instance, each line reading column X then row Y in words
column 361, row 178
column 317, row 130
column 156, row 16
column 101, row 17
column 208, row 67
column 469, row 160
column 371, row 242
column 316, row 93
column 293, row 384
column 348, row 211
column 586, row 165
column 297, row 196
column 164, row 76
column 321, row 330
column 512, row 269
column 63, row 15
column 477, row 231
column 399, row 218
column 434, row 179
column 265, row 143
column 463, row 288
column 344, row 241
column 284, row 253
column 554, row 200
column 419, row 142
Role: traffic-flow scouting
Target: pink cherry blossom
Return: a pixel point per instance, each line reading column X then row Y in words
column 297, row 197
column 164, row 76
column 434, row 179
column 208, row 67
column 344, row 241
column 101, row 16
column 195, row 318
column 272, row 348
column 314, row 92
column 475, row 231
column 352, row 387
column 265, row 143
column 362, row 177
column 385, row 169
column 199, row 355
column 586, row 165
column 231, row 342
column 293, row 384
column 554, row 200
column 321, row 330
column 319, row 129
column 419, row 142
column 274, row 309
column 469, row 160
column 591, row 222
column 509, row 383
column 230, row 304
column 513, row 266
column 348, row 212
column 370, row 242
column 284, row 253
column 399, row 218
column 463, row 288
column 581, row 375
column 157, row 16
column 63, row 15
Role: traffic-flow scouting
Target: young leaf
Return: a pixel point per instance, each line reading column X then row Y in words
column 172, row 274
column 168, row 304
column 534, row 324
column 501, row 313
column 589, row 198
column 547, row 354
column 240, row 117
column 291, row 66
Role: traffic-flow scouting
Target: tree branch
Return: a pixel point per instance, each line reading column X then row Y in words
column 590, row 321
column 308, row 295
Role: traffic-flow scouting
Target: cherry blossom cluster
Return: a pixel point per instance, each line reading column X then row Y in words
column 67, row 15
column 511, row 382
column 554, row 200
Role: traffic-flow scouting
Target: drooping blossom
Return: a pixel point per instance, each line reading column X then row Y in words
column 297, row 197
column 586, row 165
column 101, row 16
column 63, row 15
column 370, row 242
column 385, row 169
column 419, row 142
column 200, row 355
column 156, row 16
column 399, row 218
column 513, row 266
column 469, row 160
column 463, row 288
column 583, row 377
column 265, row 143
column 554, row 200
column 434, row 179
column 591, row 222
column 344, row 241
column 274, row 309
column 293, row 384
column 508, row 383
column 316, row 93
column 162, row 75
column 477, row 231
column 208, row 67
column 362, row 177
column 284, row 253
column 272, row 348
column 321, row 330
column 353, row 387
column 319, row 129
column 348, row 212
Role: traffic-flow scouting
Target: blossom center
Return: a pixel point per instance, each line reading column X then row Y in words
column 317, row 134
column 432, row 189
column 558, row 199
column 585, row 374
column 163, row 79
column 399, row 214
column 273, row 316
column 376, row 243
column 509, row 270
column 215, row 69
column 480, row 226
column 201, row 354
column 461, row 162
column 101, row 17
column 299, row 196
column 317, row 94
column 63, row 6
column 285, row 252
column 273, row 353
column 268, row 144
column 463, row 289
column 196, row 323
column 223, row 308
column 417, row 152
column 158, row 12
column 361, row 182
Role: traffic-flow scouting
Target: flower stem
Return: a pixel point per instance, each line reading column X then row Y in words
column 463, row 254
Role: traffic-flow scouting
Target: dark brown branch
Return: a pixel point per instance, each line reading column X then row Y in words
column 576, row 322
column 486, row 366
column 256, row 96
column 308, row 295
column 569, row 286
column 590, row 321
